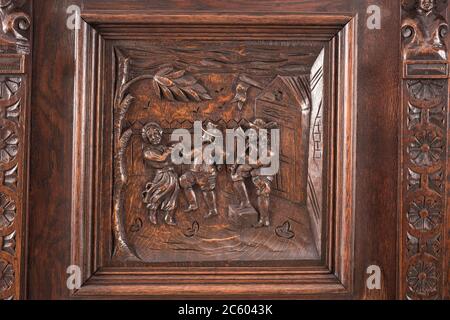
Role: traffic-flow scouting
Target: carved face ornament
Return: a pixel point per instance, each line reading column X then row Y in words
column 426, row 5
column 153, row 133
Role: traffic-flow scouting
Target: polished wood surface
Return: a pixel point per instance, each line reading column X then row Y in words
column 347, row 99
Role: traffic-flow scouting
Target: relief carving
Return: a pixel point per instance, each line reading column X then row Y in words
column 7, row 211
column 424, row 141
column 423, row 278
column 213, row 210
column 6, row 275
column 424, row 30
column 162, row 192
column 15, row 46
column 14, row 25
column 177, row 86
column 8, row 243
column 425, row 214
column 9, row 145
column 9, row 86
column 204, row 175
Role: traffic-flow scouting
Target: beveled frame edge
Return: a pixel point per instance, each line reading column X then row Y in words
column 334, row 279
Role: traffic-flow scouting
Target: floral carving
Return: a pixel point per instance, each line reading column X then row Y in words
column 422, row 278
column 15, row 44
column 433, row 246
column 9, row 86
column 177, row 86
column 10, row 177
column 426, row 148
column 6, row 275
column 417, row 116
column 424, row 139
column 8, row 243
column 9, row 145
column 13, row 112
column 412, row 245
column 425, row 89
column 436, row 181
column 7, row 211
column 425, row 214
column 413, row 180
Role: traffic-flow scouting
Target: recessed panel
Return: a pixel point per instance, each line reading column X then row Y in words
column 256, row 108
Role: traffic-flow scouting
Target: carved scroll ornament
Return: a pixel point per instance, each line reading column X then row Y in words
column 14, row 24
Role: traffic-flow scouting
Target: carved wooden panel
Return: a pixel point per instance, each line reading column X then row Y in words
column 214, row 212
column 424, row 150
column 109, row 196
column 15, row 46
column 163, row 215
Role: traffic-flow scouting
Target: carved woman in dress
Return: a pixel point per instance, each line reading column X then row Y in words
column 162, row 192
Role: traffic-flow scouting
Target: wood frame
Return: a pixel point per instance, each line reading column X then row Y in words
column 333, row 276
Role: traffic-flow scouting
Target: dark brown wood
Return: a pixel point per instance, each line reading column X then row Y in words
column 424, row 150
column 15, row 70
column 100, row 189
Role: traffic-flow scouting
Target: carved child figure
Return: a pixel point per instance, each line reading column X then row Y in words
column 162, row 192
column 204, row 175
column 424, row 32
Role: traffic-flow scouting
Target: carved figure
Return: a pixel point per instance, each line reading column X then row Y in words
column 424, row 31
column 204, row 175
column 162, row 192
column 261, row 181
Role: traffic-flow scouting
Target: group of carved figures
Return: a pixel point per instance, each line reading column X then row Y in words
column 161, row 194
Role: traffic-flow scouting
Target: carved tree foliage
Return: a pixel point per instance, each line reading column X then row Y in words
column 177, row 86
column 424, row 143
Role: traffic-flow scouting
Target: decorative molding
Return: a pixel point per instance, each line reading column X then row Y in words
column 15, row 26
column 424, row 140
column 15, row 35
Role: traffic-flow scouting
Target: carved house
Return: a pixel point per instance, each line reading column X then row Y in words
column 287, row 101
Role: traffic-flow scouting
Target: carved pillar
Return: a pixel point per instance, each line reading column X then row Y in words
column 15, row 62
column 424, row 150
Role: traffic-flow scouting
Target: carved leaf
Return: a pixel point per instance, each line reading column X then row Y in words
column 7, row 211
column 9, row 243
column 9, row 145
column 191, row 232
column 177, row 86
column 6, row 275
column 9, row 86
column 285, row 231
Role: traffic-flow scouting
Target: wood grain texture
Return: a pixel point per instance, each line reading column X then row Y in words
column 51, row 116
